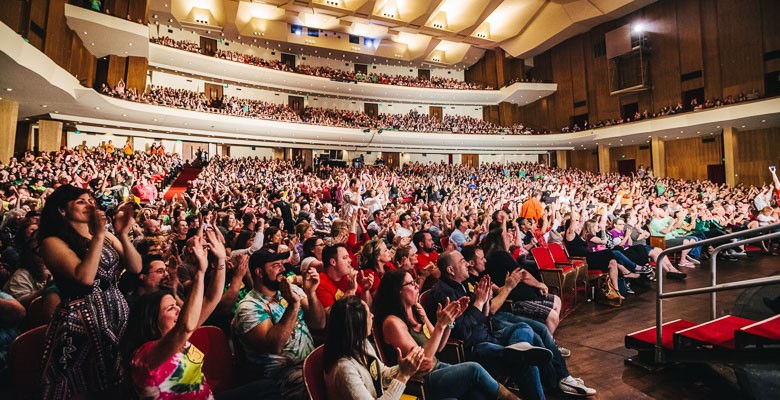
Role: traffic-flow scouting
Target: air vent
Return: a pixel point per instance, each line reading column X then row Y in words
column 645, row 147
column 595, row 153
column 708, row 140
column 690, row 75
column 580, row 103
column 273, row 53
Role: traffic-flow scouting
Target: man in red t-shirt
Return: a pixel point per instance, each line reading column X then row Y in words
column 339, row 279
column 426, row 258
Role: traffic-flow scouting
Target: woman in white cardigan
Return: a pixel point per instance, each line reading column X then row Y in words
column 352, row 368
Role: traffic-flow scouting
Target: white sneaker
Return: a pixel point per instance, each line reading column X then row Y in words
column 575, row 387
column 693, row 260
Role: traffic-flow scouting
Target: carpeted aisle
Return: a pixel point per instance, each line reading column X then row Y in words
column 182, row 181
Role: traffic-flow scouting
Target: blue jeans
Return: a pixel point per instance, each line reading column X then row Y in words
column 556, row 370
column 624, row 261
column 467, row 380
column 493, row 357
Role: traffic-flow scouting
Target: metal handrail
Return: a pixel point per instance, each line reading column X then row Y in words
column 660, row 295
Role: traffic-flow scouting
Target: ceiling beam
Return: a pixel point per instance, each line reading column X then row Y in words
column 422, row 19
column 492, row 5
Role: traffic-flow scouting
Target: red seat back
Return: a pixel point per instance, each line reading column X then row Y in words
column 217, row 357
column 558, row 253
column 24, row 361
column 314, row 374
column 543, row 258
column 445, row 242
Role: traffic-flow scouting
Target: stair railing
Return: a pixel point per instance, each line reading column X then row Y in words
column 754, row 235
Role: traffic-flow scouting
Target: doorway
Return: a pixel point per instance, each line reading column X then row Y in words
column 689, row 95
column 288, row 59
column 470, row 160
column 626, row 167
column 716, row 173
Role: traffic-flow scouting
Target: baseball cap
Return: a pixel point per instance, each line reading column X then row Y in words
column 266, row 255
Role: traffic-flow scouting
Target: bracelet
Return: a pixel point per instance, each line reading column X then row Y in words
column 220, row 267
column 451, row 326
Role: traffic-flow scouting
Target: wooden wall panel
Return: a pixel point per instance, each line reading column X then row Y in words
column 632, row 152
column 12, row 13
column 770, row 13
column 689, row 158
column 710, row 49
column 121, row 8
column 689, row 35
column 490, row 114
column 58, row 35
column 586, row 160
column 49, row 135
column 740, row 42
column 563, row 101
column 665, row 60
column 9, row 114
column 756, row 151
column 139, row 9
column 579, row 86
column 136, row 73
column 506, row 114
column 116, row 70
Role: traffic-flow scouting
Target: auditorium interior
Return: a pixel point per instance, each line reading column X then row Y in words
column 249, row 109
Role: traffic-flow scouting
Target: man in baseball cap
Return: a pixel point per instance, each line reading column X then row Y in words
column 273, row 320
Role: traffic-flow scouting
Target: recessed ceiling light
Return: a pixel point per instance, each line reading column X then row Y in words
column 44, row 105
column 97, row 108
column 85, row 32
column 763, row 120
column 743, row 126
column 124, row 115
column 8, row 89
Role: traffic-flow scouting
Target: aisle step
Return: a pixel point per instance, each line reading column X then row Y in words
column 645, row 338
column 762, row 333
column 716, row 333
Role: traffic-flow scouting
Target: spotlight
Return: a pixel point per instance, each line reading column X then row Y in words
column 639, row 28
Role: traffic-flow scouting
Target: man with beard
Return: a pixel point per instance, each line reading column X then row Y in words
column 273, row 321
column 426, row 257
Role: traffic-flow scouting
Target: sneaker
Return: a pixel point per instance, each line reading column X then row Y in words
column 575, row 387
column 629, row 290
column 643, row 269
column 565, row 353
column 527, row 354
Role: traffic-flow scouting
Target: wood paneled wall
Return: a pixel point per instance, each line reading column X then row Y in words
column 49, row 135
column 726, row 40
column 689, row 158
column 117, row 70
column 631, row 152
column 586, row 160
column 755, row 151
column 136, row 73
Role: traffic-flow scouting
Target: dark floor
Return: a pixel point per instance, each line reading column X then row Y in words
column 595, row 335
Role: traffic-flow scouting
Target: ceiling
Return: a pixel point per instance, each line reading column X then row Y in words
column 452, row 33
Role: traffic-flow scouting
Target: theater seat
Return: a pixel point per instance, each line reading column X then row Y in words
column 24, row 361
column 313, row 374
column 218, row 358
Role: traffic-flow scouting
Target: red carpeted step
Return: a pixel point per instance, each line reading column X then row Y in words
column 646, row 338
column 718, row 332
column 762, row 332
column 182, row 181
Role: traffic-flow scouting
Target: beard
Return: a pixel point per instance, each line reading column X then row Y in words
column 429, row 249
column 272, row 284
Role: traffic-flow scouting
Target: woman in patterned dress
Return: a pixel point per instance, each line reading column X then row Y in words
column 81, row 355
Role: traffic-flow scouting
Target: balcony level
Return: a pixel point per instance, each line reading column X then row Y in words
column 104, row 35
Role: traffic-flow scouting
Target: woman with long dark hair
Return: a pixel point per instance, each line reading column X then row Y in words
column 530, row 298
column 352, row 368
column 405, row 326
column 81, row 353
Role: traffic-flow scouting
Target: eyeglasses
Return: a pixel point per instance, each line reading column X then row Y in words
column 410, row 283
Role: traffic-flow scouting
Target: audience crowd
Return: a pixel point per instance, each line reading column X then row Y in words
column 409, row 122
column 282, row 259
column 326, row 72
column 664, row 111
